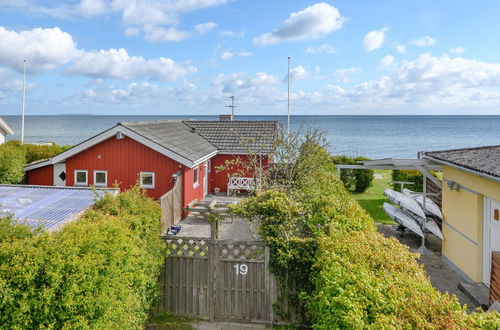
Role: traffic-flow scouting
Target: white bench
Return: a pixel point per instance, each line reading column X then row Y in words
column 240, row 183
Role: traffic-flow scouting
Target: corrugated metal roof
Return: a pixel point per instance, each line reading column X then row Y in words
column 49, row 207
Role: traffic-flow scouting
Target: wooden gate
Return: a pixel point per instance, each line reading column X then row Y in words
column 171, row 205
column 218, row 280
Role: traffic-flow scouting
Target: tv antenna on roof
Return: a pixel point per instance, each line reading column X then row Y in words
column 232, row 106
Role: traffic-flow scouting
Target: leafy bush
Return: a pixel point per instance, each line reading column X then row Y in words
column 99, row 272
column 12, row 160
column 340, row 272
column 363, row 279
column 14, row 156
column 408, row 176
column 354, row 180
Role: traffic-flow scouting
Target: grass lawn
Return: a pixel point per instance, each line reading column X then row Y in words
column 169, row 321
column 373, row 198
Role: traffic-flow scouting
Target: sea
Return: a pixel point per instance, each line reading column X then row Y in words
column 368, row 136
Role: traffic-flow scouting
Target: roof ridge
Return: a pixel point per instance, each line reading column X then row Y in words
column 159, row 121
column 463, row 149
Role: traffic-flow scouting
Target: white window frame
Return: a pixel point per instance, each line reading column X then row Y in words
column 86, row 183
column 197, row 182
column 105, row 184
column 147, row 186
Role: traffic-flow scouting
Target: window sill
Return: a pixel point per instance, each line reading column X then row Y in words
column 147, row 187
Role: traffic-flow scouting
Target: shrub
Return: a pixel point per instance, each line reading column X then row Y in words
column 99, row 272
column 354, row 180
column 408, row 176
column 12, row 160
column 363, row 279
column 38, row 152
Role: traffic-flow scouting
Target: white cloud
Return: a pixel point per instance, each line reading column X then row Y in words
column 423, row 42
column 324, row 48
column 151, row 16
column 298, row 73
column 230, row 33
column 131, row 31
column 344, row 75
column 160, row 34
column 205, row 27
column 457, row 50
column 44, row 49
column 374, row 39
column 313, row 22
column 118, row 64
column 387, row 61
column 229, row 54
column 400, row 49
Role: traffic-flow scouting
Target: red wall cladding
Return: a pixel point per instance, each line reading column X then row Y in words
column 43, row 176
column 220, row 179
column 124, row 159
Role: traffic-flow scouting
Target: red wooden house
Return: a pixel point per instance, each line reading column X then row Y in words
column 156, row 152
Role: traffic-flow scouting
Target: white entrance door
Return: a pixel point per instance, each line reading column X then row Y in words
column 491, row 235
column 60, row 174
column 205, row 180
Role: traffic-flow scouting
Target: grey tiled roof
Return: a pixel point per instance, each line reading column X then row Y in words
column 175, row 136
column 481, row 159
column 242, row 136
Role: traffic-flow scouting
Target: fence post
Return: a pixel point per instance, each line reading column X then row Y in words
column 211, row 279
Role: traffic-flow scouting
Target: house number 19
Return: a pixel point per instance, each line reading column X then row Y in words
column 241, row 269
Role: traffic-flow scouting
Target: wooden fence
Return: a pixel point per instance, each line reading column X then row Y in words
column 495, row 277
column 171, row 205
column 221, row 281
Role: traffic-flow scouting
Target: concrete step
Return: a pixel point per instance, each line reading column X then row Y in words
column 477, row 292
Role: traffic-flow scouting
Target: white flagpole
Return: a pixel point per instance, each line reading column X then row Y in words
column 24, row 102
column 288, row 119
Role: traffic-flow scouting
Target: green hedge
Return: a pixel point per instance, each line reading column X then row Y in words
column 325, row 247
column 14, row 156
column 356, row 181
column 99, row 272
column 408, row 176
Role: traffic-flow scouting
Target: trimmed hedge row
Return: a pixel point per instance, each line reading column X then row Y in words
column 99, row 272
column 356, row 181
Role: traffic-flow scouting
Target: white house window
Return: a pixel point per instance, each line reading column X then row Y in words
column 81, row 178
column 196, row 179
column 147, row 180
column 101, row 178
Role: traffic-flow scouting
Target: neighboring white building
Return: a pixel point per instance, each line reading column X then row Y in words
column 4, row 130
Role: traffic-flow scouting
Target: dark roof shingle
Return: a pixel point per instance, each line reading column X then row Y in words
column 481, row 159
column 242, row 136
column 175, row 136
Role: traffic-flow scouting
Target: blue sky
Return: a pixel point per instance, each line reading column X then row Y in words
column 187, row 57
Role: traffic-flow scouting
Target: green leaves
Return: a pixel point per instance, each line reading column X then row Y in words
column 99, row 272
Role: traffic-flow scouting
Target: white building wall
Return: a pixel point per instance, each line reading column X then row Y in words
column 2, row 136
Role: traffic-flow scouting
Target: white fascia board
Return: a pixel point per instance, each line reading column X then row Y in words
column 5, row 127
column 230, row 152
column 110, row 133
column 204, row 159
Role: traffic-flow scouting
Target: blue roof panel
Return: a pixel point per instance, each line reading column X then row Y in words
column 49, row 207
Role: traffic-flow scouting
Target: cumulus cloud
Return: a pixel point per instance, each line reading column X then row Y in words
column 374, row 39
column 313, row 22
column 229, row 54
column 118, row 64
column 153, row 17
column 400, row 49
column 457, row 50
column 230, row 33
column 160, row 34
column 44, row 49
column 205, row 27
column 387, row 61
column 423, row 42
column 324, row 48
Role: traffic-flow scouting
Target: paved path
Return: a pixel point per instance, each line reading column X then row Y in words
column 443, row 278
column 227, row 326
